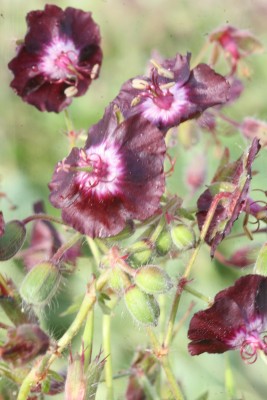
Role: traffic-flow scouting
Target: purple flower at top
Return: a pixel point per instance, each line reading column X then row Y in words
column 118, row 176
column 58, row 59
column 236, row 320
column 172, row 93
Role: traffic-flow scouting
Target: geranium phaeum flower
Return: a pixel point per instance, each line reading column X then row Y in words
column 58, row 59
column 230, row 186
column 118, row 176
column 172, row 93
column 236, row 320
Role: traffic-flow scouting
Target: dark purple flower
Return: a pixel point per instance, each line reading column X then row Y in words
column 118, row 176
column 58, row 59
column 229, row 189
column 172, row 93
column 236, row 320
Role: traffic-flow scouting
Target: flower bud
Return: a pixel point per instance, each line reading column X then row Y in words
column 142, row 306
column 12, row 239
column 164, row 243
column 140, row 253
column 118, row 280
column 152, row 279
column 81, row 382
column 183, row 237
column 40, row 284
column 75, row 387
column 24, row 343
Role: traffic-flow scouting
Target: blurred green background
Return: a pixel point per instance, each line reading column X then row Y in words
column 31, row 143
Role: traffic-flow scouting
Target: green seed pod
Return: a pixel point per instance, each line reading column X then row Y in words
column 183, row 237
column 118, row 280
column 140, row 253
column 12, row 239
column 40, row 284
column 164, row 243
column 152, row 279
column 142, row 306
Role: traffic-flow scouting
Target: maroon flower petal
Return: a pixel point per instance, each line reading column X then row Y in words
column 47, row 97
column 206, row 88
column 125, row 182
column 237, row 312
column 43, row 26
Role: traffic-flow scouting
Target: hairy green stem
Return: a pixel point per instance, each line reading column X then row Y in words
column 68, row 121
column 44, row 217
column 229, row 379
column 106, row 333
column 162, row 356
column 95, row 251
column 177, row 297
column 176, row 391
column 66, row 246
column 39, row 371
column 87, row 338
column 197, row 294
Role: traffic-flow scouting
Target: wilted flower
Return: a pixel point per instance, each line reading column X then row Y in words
column 117, row 176
column 172, row 93
column 230, row 188
column 236, row 320
column 253, row 128
column 81, row 382
column 144, row 365
column 25, row 342
column 236, row 43
column 58, row 59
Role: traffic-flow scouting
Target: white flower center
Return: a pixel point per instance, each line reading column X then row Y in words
column 155, row 114
column 59, row 60
column 107, row 173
